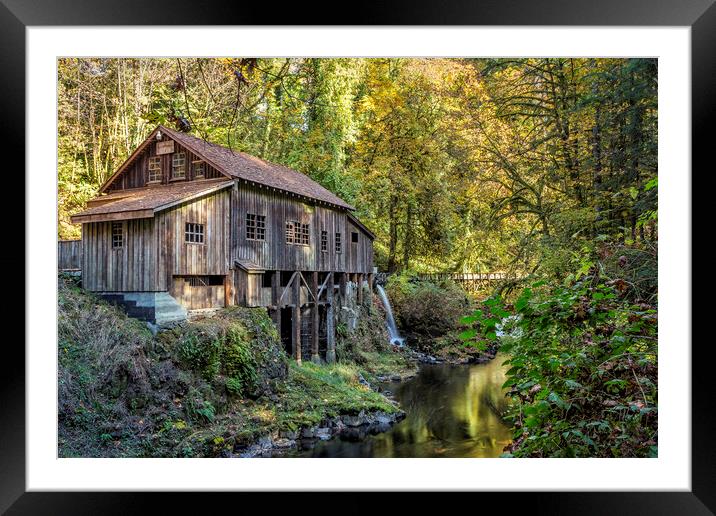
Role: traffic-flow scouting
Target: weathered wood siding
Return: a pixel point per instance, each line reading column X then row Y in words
column 69, row 255
column 137, row 173
column 134, row 267
column 181, row 258
column 359, row 256
column 155, row 250
column 249, row 289
column 195, row 297
column 274, row 253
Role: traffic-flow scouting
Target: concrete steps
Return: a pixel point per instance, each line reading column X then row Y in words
column 167, row 310
column 159, row 308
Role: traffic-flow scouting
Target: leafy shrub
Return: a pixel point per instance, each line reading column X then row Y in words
column 424, row 310
column 237, row 361
column 582, row 379
column 201, row 352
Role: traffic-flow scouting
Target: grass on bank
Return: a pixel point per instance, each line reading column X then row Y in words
column 202, row 389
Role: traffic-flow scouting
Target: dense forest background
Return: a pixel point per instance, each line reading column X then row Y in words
column 456, row 164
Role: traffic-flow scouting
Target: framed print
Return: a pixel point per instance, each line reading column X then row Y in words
column 423, row 257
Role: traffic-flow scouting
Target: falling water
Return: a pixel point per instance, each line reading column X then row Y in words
column 395, row 337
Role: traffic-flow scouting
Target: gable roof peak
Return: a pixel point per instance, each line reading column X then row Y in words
column 240, row 165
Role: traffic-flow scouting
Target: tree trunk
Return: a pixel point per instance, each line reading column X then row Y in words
column 393, row 230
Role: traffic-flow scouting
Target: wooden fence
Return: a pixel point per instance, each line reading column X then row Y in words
column 69, row 255
column 470, row 281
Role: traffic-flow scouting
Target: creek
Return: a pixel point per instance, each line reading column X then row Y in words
column 451, row 411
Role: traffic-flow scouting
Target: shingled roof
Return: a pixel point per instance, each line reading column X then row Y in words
column 145, row 202
column 255, row 170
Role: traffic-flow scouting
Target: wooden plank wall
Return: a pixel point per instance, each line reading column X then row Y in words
column 359, row 256
column 275, row 254
column 132, row 268
column 193, row 298
column 69, row 255
column 155, row 249
column 182, row 258
column 249, row 291
column 136, row 174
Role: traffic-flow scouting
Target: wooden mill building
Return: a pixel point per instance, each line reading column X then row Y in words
column 185, row 224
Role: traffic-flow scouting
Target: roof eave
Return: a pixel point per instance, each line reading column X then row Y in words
column 112, row 216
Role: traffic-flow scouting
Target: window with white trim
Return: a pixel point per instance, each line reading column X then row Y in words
column 154, row 173
column 324, row 241
column 339, row 246
column 199, row 169
column 178, row 165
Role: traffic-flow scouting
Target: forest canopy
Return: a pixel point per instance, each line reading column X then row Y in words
column 455, row 164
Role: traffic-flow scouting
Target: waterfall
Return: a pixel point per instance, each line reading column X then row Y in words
column 395, row 337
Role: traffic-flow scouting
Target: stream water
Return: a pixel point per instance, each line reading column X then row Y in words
column 451, row 411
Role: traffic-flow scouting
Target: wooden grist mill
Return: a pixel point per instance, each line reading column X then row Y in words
column 187, row 225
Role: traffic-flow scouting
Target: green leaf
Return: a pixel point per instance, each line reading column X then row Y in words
column 571, row 384
column 557, row 400
column 468, row 334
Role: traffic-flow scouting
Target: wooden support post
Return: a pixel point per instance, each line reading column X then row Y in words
column 227, row 288
column 330, row 326
column 344, row 287
column 371, row 280
column 359, row 281
column 315, row 357
column 296, row 320
column 275, row 293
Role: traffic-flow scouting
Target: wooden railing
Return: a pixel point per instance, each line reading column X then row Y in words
column 470, row 281
column 69, row 255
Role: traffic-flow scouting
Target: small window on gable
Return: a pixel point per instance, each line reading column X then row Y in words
column 339, row 244
column 255, row 227
column 178, row 165
column 354, row 237
column 154, row 174
column 324, row 241
column 194, row 233
column 117, row 235
column 199, row 169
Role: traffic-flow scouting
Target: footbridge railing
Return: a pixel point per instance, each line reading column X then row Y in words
column 470, row 281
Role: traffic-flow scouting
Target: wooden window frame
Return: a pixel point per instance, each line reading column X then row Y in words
column 298, row 233
column 194, row 233
column 201, row 164
column 175, row 167
column 305, row 235
column 354, row 237
column 117, row 237
column 255, row 227
column 291, row 231
column 154, row 160
column 324, row 241
column 338, row 243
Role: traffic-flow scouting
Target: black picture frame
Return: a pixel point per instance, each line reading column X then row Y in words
column 16, row 15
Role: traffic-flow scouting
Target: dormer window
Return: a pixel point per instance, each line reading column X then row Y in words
column 154, row 174
column 178, row 165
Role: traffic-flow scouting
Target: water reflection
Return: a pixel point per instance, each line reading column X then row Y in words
column 451, row 412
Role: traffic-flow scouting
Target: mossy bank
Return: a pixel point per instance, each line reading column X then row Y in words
column 217, row 386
